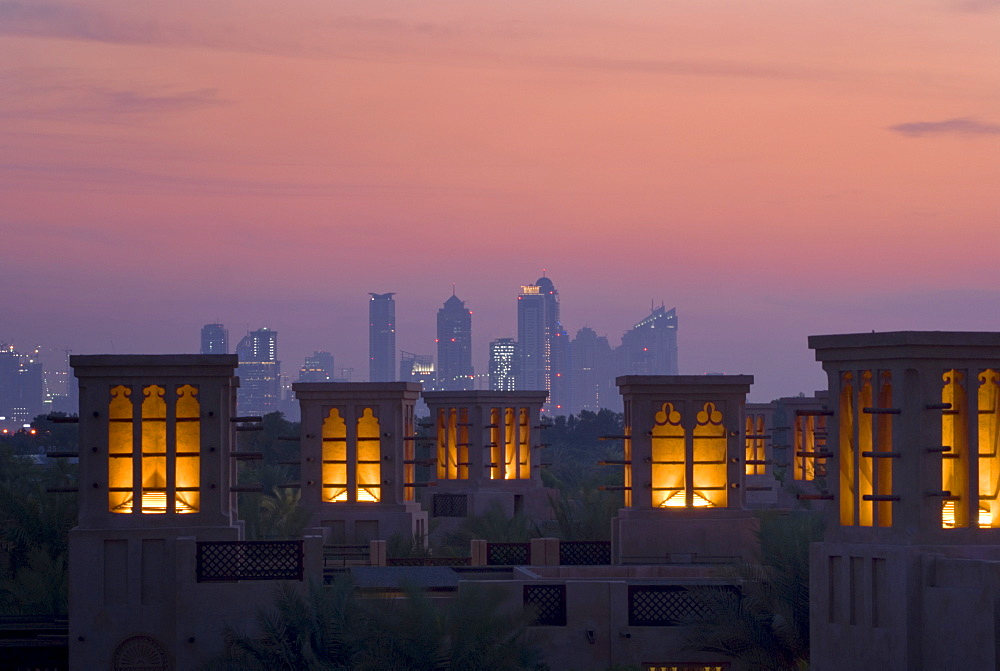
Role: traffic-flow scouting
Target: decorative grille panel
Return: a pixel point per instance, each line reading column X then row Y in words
column 451, row 505
column 508, row 554
column 249, row 560
column 549, row 602
column 584, row 553
column 662, row 605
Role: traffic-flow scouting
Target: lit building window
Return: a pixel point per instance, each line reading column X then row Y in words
column 334, row 457
column 689, row 468
column 810, row 442
column 453, row 444
column 341, row 464
column 866, row 497
column 960, row 508
column 166, row 457
column 756, row 445
column 669, row 466
column 369, row 458
column 510, row 451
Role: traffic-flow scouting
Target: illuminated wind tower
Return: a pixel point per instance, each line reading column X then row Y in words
column 487, row 453
column 684, row 470
column 906, row 577
column 155, row 479
column 357, row 460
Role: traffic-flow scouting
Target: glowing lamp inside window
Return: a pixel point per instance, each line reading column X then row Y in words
column 962, row 446
column 342, row 465
column 169, row 434
column 453, row 444
column 688, row 469
column 510, row 448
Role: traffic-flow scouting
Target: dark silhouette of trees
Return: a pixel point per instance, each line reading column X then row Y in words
column 764, row 625
column 332, row 629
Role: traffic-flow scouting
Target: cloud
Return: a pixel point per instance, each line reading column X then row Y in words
column 95, row 103
column 976, row 5
column 960, row 126
column 53, row 19
column 696, row 68
column 341, row 36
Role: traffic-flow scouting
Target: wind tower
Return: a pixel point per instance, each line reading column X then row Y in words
column 907, row 576
column 684, row 470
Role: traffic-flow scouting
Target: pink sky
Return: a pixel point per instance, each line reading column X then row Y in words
column 773, row 169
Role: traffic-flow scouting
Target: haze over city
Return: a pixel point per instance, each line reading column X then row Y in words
column 771, row 169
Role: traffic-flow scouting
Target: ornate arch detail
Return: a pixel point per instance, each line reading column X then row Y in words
column 140, row 653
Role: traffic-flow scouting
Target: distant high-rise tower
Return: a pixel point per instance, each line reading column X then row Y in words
column 533, row 345
column 22, row 389
column 503, row 364
column 259, row 371
column 650, row 347
column 541, row 340
column 454, row 345
column 593, row 379
column 317, row 368
column 382, row 338
column 214, row 339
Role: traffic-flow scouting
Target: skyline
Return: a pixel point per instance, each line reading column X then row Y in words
column 773, row 171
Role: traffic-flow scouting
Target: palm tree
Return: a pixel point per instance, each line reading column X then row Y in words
column 319, row 630
column 765, row 624
column 331, row 629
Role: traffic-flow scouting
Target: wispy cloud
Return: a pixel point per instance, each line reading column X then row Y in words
column 54, row 19
column 86, row 101
column 698, row 68
column 976, row 5
column 960, row 126
column 330, row 36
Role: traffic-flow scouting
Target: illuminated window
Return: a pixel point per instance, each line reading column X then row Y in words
column 959, row 508
column 709, row 477
column 167, row 453
column 756, row 445
column 810, row 441
column 669, row 465
column 453, row 443
column 409, row 455
column 524, row 451
column 369, row 458
column 989, row 441
column 120, row 450
column 688, row 468
column 510, row 450
column 866, row 454
column 334, row 457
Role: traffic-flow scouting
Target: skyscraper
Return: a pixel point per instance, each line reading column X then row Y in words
column 650, row 347
column 503, row 364
column 22, row 390
column 592, row 375
column 542, row 342
column 454, row 345
column 382, row 338
column 532, row 343
column 214, row 339
column 259, row 371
